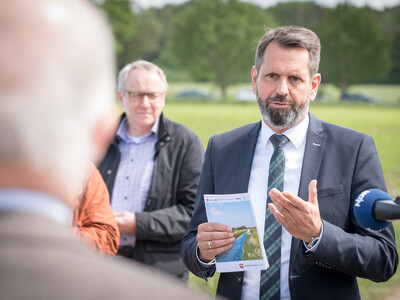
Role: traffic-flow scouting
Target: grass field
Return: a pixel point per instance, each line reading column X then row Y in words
column 381, row 122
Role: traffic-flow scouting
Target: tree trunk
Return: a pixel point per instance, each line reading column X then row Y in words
column 343, row 79
column 223, row 91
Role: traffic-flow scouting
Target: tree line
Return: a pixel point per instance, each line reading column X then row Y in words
column 215, row 40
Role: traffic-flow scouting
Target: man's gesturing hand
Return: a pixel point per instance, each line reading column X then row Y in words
column 213, row 239
column 300, row 218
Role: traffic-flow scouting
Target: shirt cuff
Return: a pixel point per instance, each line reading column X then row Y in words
column 315, row 247
column 204, row 264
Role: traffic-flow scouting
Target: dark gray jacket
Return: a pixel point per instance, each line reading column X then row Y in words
column 170, row 202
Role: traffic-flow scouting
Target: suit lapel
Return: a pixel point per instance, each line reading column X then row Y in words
column 248, row 146
column 313, row 153
column 315, row 145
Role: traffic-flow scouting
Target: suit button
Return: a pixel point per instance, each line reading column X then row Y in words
column 109, row 172
column 239, row 279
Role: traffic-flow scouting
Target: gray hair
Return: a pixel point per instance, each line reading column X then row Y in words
column 291, row 36
column 54, row 88
column 140, row 64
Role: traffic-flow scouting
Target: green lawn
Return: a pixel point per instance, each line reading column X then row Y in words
column 382, row 122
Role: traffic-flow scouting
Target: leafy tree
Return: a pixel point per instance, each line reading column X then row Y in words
column 165, row 16
column 354, row 46
column 307, row 14
column 216, row 39
column 121, row 17
column 390, row 20
column 145, row 43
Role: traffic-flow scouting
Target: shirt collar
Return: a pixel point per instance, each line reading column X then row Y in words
column 35, row 202
column 122, row 132
column 296, row 134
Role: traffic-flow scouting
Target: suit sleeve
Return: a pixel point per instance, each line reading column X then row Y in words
column 189, row 242
column 349, row 248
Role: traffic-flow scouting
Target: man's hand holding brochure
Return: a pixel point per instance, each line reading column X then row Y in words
column 233, row 212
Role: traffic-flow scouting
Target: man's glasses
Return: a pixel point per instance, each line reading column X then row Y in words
column 138, row 96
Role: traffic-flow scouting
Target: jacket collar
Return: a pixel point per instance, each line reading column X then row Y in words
column 248, row 146
column 163, row 134
column 162, row 129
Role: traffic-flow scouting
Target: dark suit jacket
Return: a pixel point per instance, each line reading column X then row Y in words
column 345, row 163
column 41, row 259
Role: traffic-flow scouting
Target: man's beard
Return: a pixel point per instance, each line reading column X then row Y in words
column 282, row 118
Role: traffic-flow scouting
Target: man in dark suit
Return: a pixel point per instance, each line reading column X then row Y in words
column 322, row 248
column 56, row 90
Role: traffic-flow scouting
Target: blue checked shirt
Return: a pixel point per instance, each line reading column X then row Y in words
column 133, row 179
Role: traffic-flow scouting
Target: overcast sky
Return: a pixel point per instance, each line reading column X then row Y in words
column 377, row 4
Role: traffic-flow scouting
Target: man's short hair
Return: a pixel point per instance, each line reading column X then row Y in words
column 140, row 64
column 291, row 36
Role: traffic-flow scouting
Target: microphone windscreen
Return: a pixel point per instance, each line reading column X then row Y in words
column 364, row 206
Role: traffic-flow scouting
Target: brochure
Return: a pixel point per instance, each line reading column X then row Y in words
column 236, row 211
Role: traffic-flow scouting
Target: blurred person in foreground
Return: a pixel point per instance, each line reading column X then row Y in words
column 315, row 246
column 93, row 219
column 56, row 90
column 151, row 169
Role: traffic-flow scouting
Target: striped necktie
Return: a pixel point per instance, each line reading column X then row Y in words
column 270, row 278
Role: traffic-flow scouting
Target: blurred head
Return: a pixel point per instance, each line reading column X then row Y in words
column 56, row 88
column 284, row 77
column 142, row 88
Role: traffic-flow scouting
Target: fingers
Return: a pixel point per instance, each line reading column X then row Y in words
column 288, row 201
column 213, row 239
column 215, row 232
column 212, row 226
column 283, row 203
column 300, row 218
column 278, row 216
column 312, row 192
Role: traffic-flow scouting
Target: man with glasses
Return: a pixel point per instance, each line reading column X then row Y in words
column 151, row 170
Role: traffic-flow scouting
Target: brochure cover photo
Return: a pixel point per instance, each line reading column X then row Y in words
column 236, row 211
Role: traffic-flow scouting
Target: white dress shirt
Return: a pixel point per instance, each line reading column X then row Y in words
column 258, row 187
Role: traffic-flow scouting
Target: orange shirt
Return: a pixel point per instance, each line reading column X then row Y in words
column 94, row 219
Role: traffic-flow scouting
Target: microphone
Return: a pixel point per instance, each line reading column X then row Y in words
column 373, row 208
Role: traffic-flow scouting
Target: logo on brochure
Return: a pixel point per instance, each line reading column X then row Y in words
column 241, row 266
